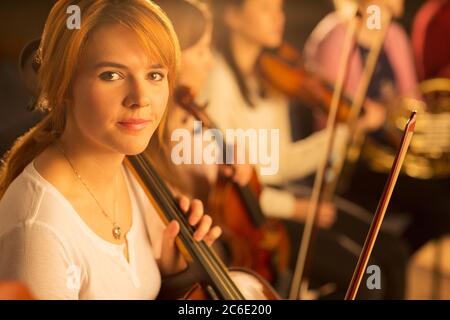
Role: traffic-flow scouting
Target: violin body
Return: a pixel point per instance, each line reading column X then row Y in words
column 284, row 71
column 252, row 286
column 255, row 242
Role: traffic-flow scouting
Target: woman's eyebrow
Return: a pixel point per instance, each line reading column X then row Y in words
column 104, row 64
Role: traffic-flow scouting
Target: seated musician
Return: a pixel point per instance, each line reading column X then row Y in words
column 398, row 72
column 238, row 99
column 74, row 222
column 394, row 76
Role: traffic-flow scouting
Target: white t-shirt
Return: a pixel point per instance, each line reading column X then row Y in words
column 46, row 245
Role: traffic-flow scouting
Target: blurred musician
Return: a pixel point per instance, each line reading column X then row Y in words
column 423, row 201
column 238, row 98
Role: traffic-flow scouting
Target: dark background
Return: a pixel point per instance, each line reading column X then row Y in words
column 23, row 20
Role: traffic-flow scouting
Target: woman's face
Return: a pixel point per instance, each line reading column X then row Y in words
column 195, row 63
column 119, row 93
column 262, row 21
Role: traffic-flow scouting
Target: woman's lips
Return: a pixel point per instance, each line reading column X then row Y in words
column 134, row 124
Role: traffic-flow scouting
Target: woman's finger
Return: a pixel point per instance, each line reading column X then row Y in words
column 196, row 212
column 203, row 228
column 171, row 232
column 212, row 235
column 183, row 203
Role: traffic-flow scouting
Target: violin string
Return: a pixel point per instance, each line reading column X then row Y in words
column 185, row 99
column 207, row 258
column 223, row 275
column 168, row 209
column 215, row 271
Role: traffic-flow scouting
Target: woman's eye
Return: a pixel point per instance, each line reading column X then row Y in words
column 110, row 76
column 156, row 76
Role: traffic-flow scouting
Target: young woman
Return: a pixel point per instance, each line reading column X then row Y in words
column 395, row 72
column 74, row 222
column 238, row 98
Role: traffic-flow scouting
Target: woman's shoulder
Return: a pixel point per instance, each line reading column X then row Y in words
column 220, row 64
column 31, row 199
column 221, row 91
column 220, row 75
column 50, row 167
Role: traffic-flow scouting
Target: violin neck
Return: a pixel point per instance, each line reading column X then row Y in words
column 251, row 203
column 214, row 269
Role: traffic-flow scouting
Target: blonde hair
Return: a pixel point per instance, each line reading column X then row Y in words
column 61, row 49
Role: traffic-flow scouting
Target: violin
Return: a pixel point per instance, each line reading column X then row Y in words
column 255, row 241
column 284, row 70
column 218, row 282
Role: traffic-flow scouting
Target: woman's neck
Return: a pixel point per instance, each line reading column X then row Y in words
column 245, row 52
column 97, row 166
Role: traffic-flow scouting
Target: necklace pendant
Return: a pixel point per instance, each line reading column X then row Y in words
column 117, row 232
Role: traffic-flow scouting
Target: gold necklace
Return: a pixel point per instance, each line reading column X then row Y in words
column 116, row 231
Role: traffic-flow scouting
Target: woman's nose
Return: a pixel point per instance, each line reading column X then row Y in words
column 138, row 96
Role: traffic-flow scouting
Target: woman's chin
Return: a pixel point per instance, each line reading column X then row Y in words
column 134, row 148
column 137, row 143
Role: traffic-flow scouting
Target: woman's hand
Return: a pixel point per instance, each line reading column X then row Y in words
column 240, row 173
column 326, row 215
column 172, row 261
